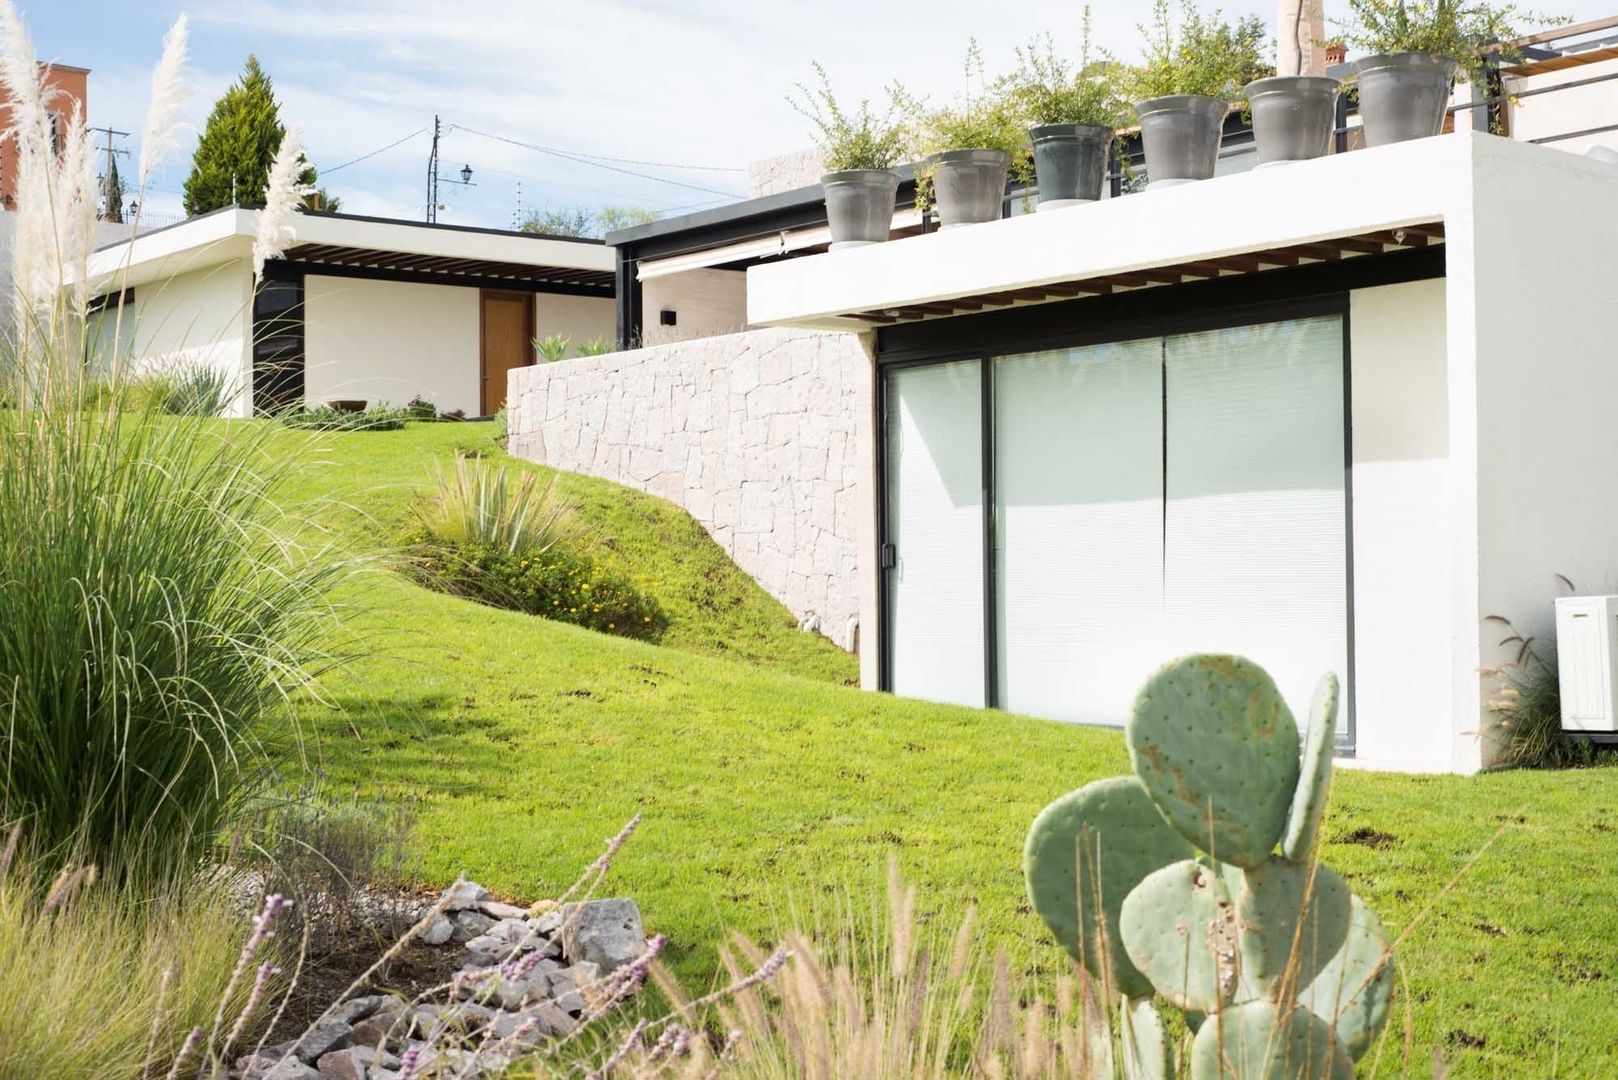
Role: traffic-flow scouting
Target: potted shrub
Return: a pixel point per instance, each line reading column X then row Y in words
column 1416, row 48
column 971, row 145
column 1073, row 115
column 860, row 150
column 1184, row 88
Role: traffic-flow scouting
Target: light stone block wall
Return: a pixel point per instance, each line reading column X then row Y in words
column 757, row 435
column 785, row 172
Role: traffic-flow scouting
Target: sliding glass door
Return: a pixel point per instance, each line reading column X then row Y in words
column 1256, row 525
column 935, row 532
column 1078, row 467
column 1150, row 498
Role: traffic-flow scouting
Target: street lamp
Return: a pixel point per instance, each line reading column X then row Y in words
column 466, row 174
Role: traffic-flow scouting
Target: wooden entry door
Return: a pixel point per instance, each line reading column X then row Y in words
column 507, row 341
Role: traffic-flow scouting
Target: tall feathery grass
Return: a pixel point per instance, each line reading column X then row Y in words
column 92, row 984
column 480, row 504
column 151, row 607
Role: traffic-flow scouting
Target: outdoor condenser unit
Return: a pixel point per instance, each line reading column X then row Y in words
column 1587, row 659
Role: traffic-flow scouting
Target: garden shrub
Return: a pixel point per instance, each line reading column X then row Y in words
column 325, row 418
column 557, row 583
column 479, row 504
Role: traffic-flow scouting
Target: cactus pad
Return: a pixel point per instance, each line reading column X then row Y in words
column 1179, row 928
column 1309, row 801
column 1217, row 750
column 1146, row 1045
column 1291, row 927
column 1125, row 838
column 1351, row 992
column 1258, row 1041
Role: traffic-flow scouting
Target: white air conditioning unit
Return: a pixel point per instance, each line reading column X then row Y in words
column 1587, row 661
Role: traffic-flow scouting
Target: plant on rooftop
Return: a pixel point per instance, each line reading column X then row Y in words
column 1416, row 48
column 1074, row 110
column 1167, row 887
column 859, row 149
column 1183, row 88
column 973, row 143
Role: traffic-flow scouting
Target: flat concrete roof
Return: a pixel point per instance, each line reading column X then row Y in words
column 228, row 234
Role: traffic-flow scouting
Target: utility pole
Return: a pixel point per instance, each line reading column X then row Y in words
column 112, row 186
column 432, row 175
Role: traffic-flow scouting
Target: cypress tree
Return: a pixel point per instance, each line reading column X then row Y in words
column 232, row 162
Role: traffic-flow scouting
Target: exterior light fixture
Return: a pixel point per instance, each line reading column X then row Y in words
column 466, row 174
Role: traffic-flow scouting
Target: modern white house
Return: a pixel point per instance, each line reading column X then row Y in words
column 357, row 309
column 1330, row 415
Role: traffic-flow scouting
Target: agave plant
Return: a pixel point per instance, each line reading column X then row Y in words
column 480, row 504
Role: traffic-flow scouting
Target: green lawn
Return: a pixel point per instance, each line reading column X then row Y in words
column 764, row 783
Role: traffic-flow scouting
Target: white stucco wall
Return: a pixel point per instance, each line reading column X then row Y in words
column 390, row 341
column 1531, row 313
column 579, row 318
column 758, row 435
column 1402, row 568
column 200, row 318
column 706, row 302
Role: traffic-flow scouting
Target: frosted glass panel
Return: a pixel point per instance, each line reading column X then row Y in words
column 935, row 522
column 1079, row 514
column 1255, row 554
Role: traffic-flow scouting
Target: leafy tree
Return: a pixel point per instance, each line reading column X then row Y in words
column 232, row 162
column 582, row 221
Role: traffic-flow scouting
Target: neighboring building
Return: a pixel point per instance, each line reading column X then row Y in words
column 358, row 309
column 69, row 90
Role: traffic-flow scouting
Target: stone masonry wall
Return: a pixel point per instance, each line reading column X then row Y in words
column 753, row 433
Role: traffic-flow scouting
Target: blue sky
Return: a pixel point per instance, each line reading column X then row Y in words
column 669, row 84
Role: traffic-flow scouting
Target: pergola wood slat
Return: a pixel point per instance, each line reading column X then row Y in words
column 1291, row 255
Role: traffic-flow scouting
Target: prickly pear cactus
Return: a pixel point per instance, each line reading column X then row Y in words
column 1217, row 749
column 1112, row 829
column 1309, row 802
column 1262, row 1041
column 1286, row 974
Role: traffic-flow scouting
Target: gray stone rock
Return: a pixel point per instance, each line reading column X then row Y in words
column 387, row 1027
column 514, row 931
column 463, row 895
column 548, row 923
column 354, row 1063
column 515, row 993
column 604, row 932
column 469, row 924
column 458, row 1018
column 354, row 1010
column 522, row 1030
column 439, row 931
column 287, row 1069
column 496, row 909
column 556, row 1018
column 328, row 1035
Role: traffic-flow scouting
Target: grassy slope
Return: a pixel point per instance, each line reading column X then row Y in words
column 528, row 742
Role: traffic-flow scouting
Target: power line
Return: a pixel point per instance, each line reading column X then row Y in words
column 585, row 160
column 616, row 160
column 373, row 153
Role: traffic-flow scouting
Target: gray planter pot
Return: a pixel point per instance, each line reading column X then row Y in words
column 969, row 186
column 859, row 206
column 1180, row 136
column 1293, row 116
column 1403, row 95
column 1070, row 162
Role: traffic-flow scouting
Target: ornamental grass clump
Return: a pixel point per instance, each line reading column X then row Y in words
column 92, row 984
column 510, row 543
column 151, row 608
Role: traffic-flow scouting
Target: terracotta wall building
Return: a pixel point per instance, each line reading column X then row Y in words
column 68, row 86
